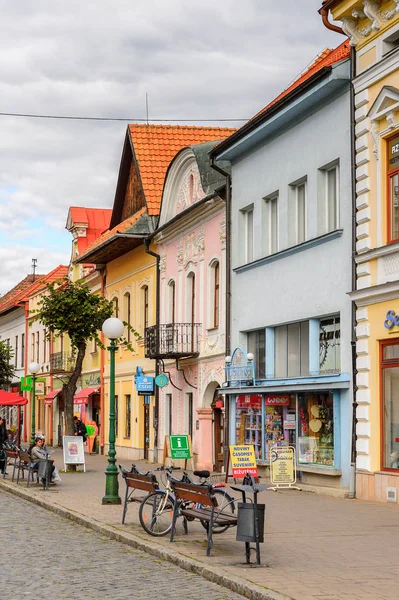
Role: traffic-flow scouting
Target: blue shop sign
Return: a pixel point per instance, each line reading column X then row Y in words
column 144, row 385
column 391, row 320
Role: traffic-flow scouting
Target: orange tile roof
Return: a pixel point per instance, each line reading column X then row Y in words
column 120, row 228
column 58, row 273
column 156, row 145
column 326, row 58
column 96, row 219
column 13, row 297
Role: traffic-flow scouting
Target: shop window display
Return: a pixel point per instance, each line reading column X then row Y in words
column 280, row 421
column 249, row 422
column 390, row 398
column 316, row 429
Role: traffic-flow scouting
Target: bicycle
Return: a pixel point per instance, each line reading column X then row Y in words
column 156, row 510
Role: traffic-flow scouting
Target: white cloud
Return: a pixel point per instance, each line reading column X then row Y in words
column 195, row 59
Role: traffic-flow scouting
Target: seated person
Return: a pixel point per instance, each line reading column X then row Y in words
column 39, row 451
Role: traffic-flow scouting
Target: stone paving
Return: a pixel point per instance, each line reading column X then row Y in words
column 316, row 547
column 45, row 557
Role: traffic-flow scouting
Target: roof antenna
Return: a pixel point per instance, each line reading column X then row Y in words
column 34, row 262
column 146, row 106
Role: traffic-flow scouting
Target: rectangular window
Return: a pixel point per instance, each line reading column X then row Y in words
column 16, row 352
column 44, row 346
column 23, row 350
column 298, row 213
column 390, row 404
column 145, row 306
column 270, row 225
column 116, row 416
column 256, row 344
column 248, row 233
column 190, row 414
column 128, row 415
column 330, row 345
column 216, row 296
column 291, row 350
column 316, row 429
column 328, row 198
column 249, row 422
column 32, row 347
column 332, row 198
column 393, row 184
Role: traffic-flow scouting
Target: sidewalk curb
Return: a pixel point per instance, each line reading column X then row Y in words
column 213, row 574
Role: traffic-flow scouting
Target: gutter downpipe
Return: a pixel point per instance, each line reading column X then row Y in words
column 147, row 243
column 352, row 477
column 228, row 301
column 324, row 17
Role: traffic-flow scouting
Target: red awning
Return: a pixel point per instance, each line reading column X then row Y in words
column 48, row 399
column 82, row 397
column 10, row 399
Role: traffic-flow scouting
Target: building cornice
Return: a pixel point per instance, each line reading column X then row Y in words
column 377, row 253
column 376, row 294
column 378, row 71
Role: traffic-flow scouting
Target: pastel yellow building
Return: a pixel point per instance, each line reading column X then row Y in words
column 373, row 29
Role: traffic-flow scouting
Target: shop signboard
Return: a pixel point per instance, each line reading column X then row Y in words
column 243, row 461
column 277, row 400
column 73, row 451
column 393, row 151
column 180, row 446
column 144, row 385
column 282, row 467
column 161, row 380
column 249, row 401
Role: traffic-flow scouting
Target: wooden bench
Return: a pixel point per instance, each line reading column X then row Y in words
column 137, row 481
column 198, row 502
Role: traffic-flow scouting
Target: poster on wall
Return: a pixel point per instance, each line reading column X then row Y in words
column 73, row 451
column 243, row 461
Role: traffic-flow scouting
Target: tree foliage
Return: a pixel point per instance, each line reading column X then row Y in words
column 7, row 368
column 72, row 309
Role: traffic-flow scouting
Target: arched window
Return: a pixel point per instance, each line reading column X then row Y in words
column 116, row 306
column 127, row 313
column 172, row 302
column 216, row 285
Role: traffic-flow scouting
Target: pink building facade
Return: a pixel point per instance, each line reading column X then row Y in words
column 191, row 243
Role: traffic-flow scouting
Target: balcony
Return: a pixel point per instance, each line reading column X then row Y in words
column 62, row 362
column 172, row 340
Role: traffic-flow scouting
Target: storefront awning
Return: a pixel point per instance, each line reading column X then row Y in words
column 11, row 399
column 320, row 382
column 48, row 399
column 83, row 396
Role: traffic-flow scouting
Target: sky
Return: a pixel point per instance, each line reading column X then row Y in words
column 196, row 60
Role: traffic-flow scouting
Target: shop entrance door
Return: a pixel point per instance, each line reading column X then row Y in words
column 218, row 436
column 146, row 430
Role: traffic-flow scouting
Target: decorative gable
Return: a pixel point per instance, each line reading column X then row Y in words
column 386, row 102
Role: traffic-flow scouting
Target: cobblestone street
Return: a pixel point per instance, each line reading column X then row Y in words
column 46, row 557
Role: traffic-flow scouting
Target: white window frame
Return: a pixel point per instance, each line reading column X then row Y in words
column 328, row 170
column 248, row 253
column 270, row 201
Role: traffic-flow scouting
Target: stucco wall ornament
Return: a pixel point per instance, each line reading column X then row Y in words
column 179, row 254
column 162, row 263
column 349, row 25
column 201, row 242
column 391, row 265
column 375, row 134
column 190, row 251
column 390, row 117
column 222, row 232
column 372, row 11
column 386, row 15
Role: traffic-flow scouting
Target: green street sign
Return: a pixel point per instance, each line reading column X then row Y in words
column 26, row 384
column 179, row 446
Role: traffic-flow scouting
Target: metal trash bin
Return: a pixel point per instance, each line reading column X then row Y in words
column 246, row 522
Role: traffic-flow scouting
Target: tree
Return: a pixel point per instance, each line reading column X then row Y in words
column 71, row 308
column 7, row 368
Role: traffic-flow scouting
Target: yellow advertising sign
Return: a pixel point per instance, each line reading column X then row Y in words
column 243, row 461
column 282, row 465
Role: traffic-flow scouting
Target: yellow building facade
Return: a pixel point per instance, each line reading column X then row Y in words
column 373, row 29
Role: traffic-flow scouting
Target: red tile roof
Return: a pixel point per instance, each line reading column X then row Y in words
column 13, row 297
column 156, row 145
column 120, row 228
column 95, row 219
column 58, row 273
column 326, row 58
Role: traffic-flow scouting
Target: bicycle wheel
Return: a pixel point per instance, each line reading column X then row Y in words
column 225, row 504
column 156, row 512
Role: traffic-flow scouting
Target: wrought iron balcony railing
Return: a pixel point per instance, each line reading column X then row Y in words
column 172, row 340
column 62, row 362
